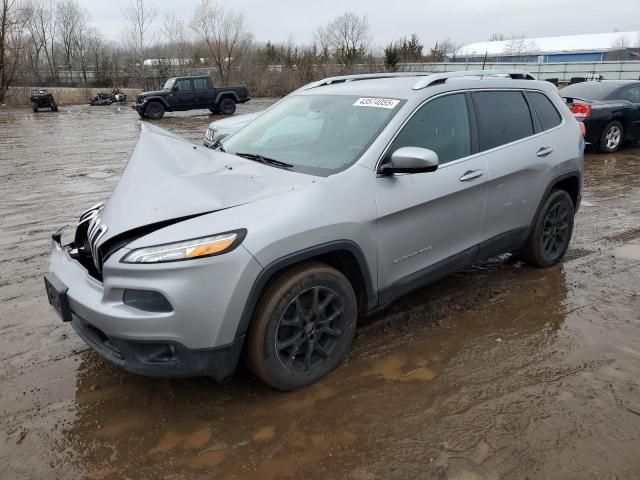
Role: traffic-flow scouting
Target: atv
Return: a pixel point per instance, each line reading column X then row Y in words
column 41, row 98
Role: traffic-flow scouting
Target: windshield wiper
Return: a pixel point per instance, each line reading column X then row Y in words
column 266, row 160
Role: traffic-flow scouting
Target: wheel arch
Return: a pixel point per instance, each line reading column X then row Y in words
column 571, row 182
column 343, row 255
column 162, row 100
column 232, row 95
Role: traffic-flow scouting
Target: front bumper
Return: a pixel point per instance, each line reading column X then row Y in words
column 161, row 359
column 139, row 107
column 207, row 297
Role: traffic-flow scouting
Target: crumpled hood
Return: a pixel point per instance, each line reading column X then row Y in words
column 167, row 177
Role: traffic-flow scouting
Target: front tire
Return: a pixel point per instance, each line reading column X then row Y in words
column 154, row 110
column 611, row 137
column 303, row 327
column 551, row 234
column 227, row 106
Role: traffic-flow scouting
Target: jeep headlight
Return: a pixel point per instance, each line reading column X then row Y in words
column 187, row 249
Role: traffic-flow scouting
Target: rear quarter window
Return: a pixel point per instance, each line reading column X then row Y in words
column 546, row 111
column 503, row 117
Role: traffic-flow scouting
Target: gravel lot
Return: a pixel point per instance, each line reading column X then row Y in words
column 502, row 371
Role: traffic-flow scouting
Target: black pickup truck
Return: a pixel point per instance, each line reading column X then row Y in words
column 609, row 110
column 190, row 93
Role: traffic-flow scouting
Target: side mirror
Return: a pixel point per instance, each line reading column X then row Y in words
column 411, row 160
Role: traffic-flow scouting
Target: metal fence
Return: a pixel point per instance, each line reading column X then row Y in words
column 629, row 70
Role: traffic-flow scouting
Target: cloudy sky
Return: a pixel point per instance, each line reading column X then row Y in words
column 465, row 21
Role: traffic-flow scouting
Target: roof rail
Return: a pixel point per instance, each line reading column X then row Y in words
column 443, row 77
column 363, row 76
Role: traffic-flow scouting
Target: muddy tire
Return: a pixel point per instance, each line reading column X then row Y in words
column 227, row 106
column 34, row 107
column 611, row 138
column 54, row 107
column 551, row 234
column 154, row 110
column 303, row 327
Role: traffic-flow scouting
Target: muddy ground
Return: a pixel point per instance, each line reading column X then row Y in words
column 502, row 371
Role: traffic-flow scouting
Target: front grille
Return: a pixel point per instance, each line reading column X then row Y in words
column 89, row 231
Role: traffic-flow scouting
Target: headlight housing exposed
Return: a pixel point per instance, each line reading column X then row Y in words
column 187, row 249
column 210, row 134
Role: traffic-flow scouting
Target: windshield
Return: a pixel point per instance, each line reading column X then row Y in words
column 316, row 134
column 589, row 90
column 168, row 85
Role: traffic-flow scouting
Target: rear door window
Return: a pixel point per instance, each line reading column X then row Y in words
column 200, row 84
column 441, row 125
column 503, row 117
column 547, row 113
column 184, row 85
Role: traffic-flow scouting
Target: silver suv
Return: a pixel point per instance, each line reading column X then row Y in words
column 340, row 198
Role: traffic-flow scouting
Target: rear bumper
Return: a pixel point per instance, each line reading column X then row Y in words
column 161, row 359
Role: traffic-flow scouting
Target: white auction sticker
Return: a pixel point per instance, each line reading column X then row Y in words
column 376, row 102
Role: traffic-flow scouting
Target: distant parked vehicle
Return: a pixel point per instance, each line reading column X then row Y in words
column 107, row 98
column 226, row 126
column 190, row 93
column 41, row 98
column 609, row 110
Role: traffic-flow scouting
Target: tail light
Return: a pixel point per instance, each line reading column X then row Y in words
column 582, row 110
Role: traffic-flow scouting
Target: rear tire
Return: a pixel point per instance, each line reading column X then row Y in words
column 551, row 234
column 611, row 138
column 154, row 110
column 303, row 327
column 54, row 107
column 34, row 107
column 227, row 106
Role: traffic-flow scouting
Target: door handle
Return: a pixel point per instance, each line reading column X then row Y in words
column 470, row 175
column 544, row 151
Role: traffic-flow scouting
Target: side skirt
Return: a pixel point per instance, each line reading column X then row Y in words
column 503, row 243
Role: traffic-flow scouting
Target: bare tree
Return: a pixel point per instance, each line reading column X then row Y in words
column 225, row 34
column 140, row 18
column 71, row 17
column 450, row 48
column 14, row 17
column 43, row 27
column 96, row 49
column 519, row 46
column 620, row 46
column 82, row 39
column 346, row 37
column 177, row 38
